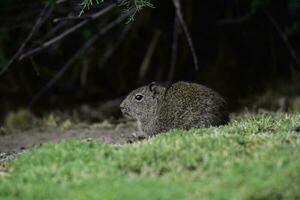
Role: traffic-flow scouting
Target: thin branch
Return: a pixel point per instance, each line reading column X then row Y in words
column 67, row 32
column 116, row 46
column 148, row 55
column 174, row 50
column 283, row 37
column 60, row 1
column 78, row 53
column 236, row 20
column 71, row 18
column 177, row 6
column 59, row 26
column 40, row 20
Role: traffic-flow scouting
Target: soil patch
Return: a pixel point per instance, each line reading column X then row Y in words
column 11, row 144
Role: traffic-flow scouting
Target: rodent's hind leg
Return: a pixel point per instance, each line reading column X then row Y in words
column 200, row 123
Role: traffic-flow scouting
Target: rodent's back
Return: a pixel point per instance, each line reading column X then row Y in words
column 190, row 105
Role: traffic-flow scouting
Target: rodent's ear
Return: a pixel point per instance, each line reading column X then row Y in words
column 152, row 86
column 155, row 89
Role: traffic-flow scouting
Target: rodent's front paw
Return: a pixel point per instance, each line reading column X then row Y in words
column 139, row 135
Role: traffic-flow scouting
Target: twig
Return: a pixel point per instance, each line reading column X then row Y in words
column 236, row 20
column 70, row 18
column 59, row 26
column 174, row 50
column 112, row 50
column 40, row 20
column 60, row 1
column 67, row 32
column 87, row 45
column 283, row 37
column 177, row 6
column 149, row 54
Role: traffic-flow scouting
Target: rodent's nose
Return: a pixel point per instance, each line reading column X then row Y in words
column 125, row 112
column 123, row 109
column 122, row 105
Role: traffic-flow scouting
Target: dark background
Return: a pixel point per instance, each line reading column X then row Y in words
column 245, row 48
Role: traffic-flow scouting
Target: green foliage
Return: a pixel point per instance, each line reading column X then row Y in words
column 254, row 157
column 23, row 119
column 134, row 6
column 19, row 120
column 56, row 120
column 131, row 6
column 87, row 4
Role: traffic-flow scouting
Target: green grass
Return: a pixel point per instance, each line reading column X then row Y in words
column 254, row 157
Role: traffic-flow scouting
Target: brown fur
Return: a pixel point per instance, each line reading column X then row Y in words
column 181, row 106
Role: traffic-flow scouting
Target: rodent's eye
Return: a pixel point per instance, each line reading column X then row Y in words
column 138, row 97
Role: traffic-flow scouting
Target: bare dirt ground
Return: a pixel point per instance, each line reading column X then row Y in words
column 11, row 144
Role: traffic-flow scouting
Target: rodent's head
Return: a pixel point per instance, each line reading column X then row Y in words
column 142, row 103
